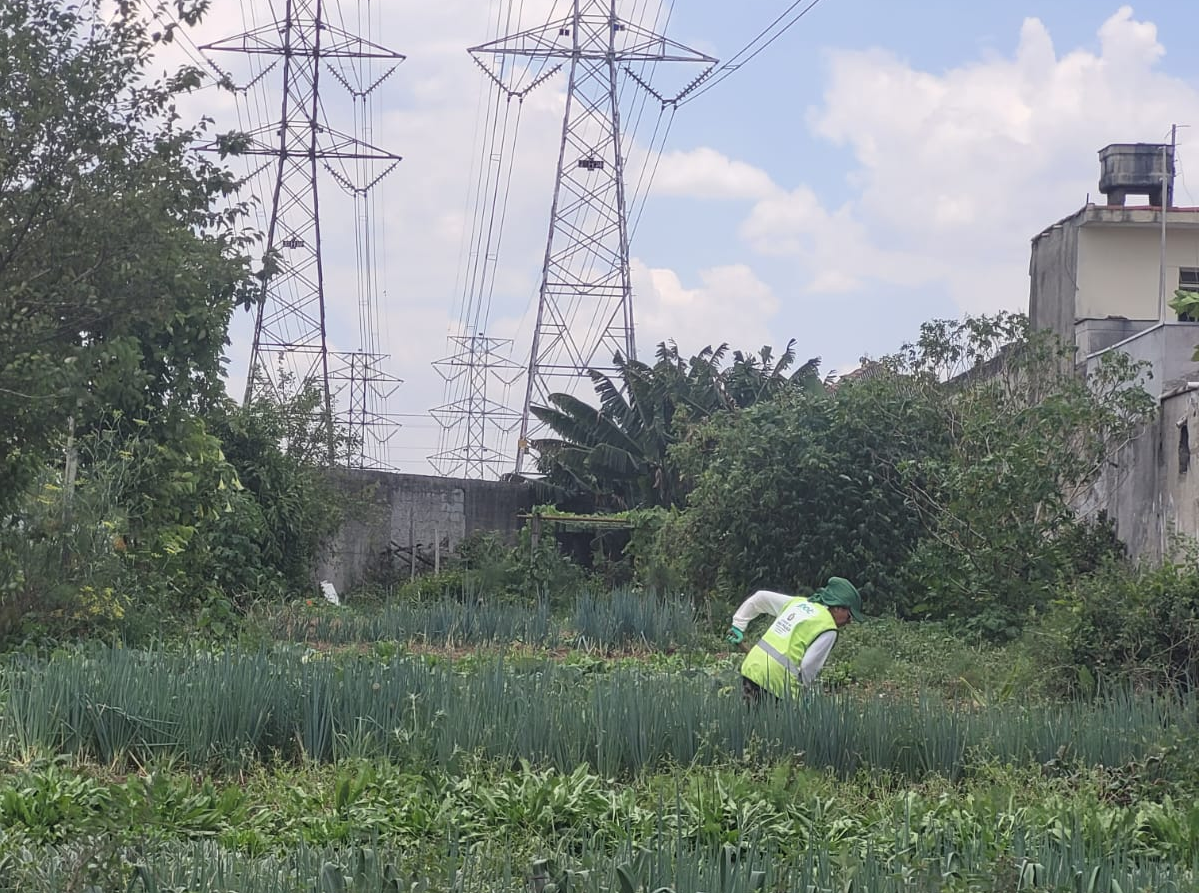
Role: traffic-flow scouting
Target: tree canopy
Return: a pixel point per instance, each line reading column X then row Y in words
column 120, row 260
column 616, row 454
column 126, row 474
column 945, row 482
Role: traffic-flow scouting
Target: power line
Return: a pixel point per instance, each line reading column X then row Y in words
column 736, row 62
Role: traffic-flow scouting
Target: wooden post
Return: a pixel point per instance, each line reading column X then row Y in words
column 69, row 473
column 412, row 542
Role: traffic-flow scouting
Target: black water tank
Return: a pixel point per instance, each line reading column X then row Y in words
column 1136, row 169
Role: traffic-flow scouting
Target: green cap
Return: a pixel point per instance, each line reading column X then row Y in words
column 840, row 593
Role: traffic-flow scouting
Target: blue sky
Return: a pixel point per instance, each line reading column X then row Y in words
column 764, row 113
column 882, row 164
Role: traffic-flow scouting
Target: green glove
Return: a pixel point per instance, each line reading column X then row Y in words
column 735, row 636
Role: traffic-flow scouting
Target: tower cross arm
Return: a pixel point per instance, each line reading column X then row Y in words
column 335, row 43
column 637, row 44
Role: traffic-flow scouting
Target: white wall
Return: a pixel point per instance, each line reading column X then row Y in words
column 1118, row 268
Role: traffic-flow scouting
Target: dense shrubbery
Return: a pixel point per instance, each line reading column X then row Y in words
column 1139, row 622
column 483, row 566
column 131, row 493
column 147, row 535
column 278, row 452
column 942, row 480
column 796, row 490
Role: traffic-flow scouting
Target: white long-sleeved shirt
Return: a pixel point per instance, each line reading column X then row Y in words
column 766, row 602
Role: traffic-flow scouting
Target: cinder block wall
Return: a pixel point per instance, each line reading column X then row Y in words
column 414, row 519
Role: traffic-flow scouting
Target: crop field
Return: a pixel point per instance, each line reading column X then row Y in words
column 535, row 765
column 621, row 619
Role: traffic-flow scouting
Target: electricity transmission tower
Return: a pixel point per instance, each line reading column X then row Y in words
column 473, row 420
column 291, row 345
column 585, row 301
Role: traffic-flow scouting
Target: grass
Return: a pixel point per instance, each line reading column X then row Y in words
column 884, row 654
column 618, row 620
column 229, row 709
column 448, row 746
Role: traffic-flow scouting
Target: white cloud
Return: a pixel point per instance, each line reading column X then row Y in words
column 730, row 304
column 954, row 171
column 957, row 171
column 835, row 248
column 706, row 173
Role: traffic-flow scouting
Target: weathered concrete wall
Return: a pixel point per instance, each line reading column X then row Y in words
column 1178, row 483
column 1052, row 288
column 1093, row 335
column 1167, row 349
column 1127, row 490
column 1118, row 270
column 1151, row 490
column 413, row 519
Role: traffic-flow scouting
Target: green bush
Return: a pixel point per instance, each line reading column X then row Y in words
column 128, row 532
column 941, row 483
column 798, row 489
column 290, row 505
column 483, row 566
column 60, row 572
column 1139, row 622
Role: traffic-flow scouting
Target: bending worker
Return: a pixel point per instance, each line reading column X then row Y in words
column 792, row 652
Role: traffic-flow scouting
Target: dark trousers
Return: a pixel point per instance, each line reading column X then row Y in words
column 752, row 693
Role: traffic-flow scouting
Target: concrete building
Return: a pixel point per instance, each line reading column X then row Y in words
column 1103, row 277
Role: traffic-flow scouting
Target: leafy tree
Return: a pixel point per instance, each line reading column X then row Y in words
column 117, row 277
column 944, row 482
column 801, row 488
column 278, row 449
column 1028, row 436
column 617, row 454
column 752, row 379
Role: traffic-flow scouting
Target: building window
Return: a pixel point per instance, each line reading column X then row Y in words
column 1188, row 280
column 1184, row 449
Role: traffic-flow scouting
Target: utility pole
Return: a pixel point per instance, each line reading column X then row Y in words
column 585, row 301
column 1166, row 201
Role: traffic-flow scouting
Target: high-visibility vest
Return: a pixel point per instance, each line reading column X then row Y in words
column 774, row 662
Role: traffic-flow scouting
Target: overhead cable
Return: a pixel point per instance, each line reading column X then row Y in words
column 765, row 38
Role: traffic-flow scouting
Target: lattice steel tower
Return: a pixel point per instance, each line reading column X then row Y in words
column 585, row 302
column 291, row 331
column 480, row 365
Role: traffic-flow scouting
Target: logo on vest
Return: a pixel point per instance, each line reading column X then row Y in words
column 794, row 615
